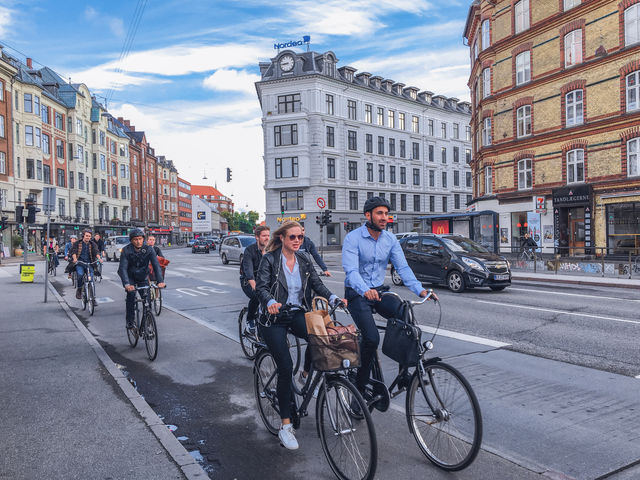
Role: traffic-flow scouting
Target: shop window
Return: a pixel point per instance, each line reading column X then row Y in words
column 623, row 228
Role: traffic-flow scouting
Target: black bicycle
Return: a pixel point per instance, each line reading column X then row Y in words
column 88, row 286
column 156, row 297
column 349, row 443
column 51, row 262
column 145, row 323
column 441, row 408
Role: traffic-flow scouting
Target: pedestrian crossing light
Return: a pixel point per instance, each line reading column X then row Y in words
column 228, row 174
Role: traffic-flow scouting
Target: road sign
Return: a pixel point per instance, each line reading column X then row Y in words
column 321, row 203
column 49, row 199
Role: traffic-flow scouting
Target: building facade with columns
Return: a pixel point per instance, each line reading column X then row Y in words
column 334, row 137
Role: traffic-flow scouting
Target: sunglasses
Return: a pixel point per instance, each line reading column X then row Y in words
column 296, row 237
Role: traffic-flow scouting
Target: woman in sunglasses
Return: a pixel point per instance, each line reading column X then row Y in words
column 286, row 276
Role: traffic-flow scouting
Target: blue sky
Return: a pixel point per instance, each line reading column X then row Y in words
column 188, row 78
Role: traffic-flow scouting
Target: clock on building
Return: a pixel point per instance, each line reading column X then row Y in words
column 286, row 63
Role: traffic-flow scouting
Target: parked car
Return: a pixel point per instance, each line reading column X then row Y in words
column 114, row 245
column 402, row 235
column 232, row 247
column 200, row 246
column 454, row 261
column 191, row 242
column 211, row 242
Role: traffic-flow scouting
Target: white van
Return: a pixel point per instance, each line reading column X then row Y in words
column 114, row 245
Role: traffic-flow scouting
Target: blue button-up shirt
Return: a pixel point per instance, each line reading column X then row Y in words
column 365, row 261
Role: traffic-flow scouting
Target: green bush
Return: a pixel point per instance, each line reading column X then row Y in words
column 16, row 241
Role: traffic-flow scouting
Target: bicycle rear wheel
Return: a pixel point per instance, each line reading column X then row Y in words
column 350, row 445
column 444, row 416
column 247, row 340
column 157, row 300
column 150, row 333
column 265, row 379
column 91, row 298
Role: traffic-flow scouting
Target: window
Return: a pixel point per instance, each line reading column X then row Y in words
column 28, row 103
column 575, row 166
column 28, row 135
column 61, row 205
column 369, row 143
column 80, row 181
column 369, row 172
column 79, row 126
column 44, row 114
column 416, row 203
column 392, row 174
column 456, row 201
column 632, row 24
column 403, row 149
column 486, row 82
column 292, row 200
column 112, row 146
column 486, row 34
column 392, row 147
column 391, row 119
column 488, row 180
column 573, row 48
column 331, row 168
column 114, row 169
column 352, row 140
column 46, row 144
column 456, row 178
column 380, row 116
column 415, row 124
column 456, row 154
column 3, row 163
column 431, row 153
column 59, row 121
column 329, row 103
column 468, row 133
column 102, row 138
column 331, row 199
column 523, row 119
column 416, row 176
column 486, row 131
column 351, row 109
column 103, row 162
column 444, row 179
column 36, row 105
column 95, row 186
column 381, row 170
column 285, row 135
column 114, row 194
column 574, row 108
column 456, row 131
column 633, row 91
column 289, row 103
column 2, row 133
column 525, row 176
column 467, row 155
column 401, row 122
column 468, row 179
column 286, row 167
column 353, row 170
column 331, row 141
column 443, row 154
column 403, row 202
column 569, row 4
column 432, row 178
column 521, row 12
column 353, row 200
column 72, row 177
column 380, row 145
column 368, row 116
column 633, row 157
column 523, row 67
column 443, row 130
column 415, row 151
column 392, row 201
column 31, row 171
column 444, row 204
column 1, row 91
column 403, row 175
column 103, row 187
column 430, row 127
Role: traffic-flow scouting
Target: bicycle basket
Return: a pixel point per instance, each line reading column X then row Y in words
column 335, row 352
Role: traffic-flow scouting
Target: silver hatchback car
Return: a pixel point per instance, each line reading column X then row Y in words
column 232, row 248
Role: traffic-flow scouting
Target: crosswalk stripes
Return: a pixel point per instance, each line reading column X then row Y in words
column 4, row 273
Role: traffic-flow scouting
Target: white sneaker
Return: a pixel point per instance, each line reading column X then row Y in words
column 287, row 437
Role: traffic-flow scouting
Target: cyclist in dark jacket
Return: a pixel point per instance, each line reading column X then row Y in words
column 310, row 247
column 248, row 270
column 528, row 243
column 135, row 259
column 86, row 251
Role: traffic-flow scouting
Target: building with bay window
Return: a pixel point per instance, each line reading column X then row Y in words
column 334, row 137
column 555, row 89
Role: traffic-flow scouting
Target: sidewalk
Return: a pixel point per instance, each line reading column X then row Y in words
column 65, row 413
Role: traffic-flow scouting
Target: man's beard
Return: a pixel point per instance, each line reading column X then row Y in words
column 373, row 226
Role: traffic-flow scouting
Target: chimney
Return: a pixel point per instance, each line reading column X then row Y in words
column 121, row 120
column 29, row 63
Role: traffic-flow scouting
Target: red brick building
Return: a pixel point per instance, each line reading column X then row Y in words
column 184, row 209
column 215, row 198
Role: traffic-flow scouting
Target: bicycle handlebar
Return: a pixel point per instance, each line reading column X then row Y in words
column 412, row 302
column 85, row 263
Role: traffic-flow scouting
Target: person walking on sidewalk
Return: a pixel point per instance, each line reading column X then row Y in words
column 310, row 248
column 134, row 270
column 248, row 270
column 86, row 251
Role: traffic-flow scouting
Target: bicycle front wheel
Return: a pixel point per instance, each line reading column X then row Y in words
column 157, row 300
column 265, row 380
column 444, row 416
column 247, row 341
column 349, row 444
column 91, row 298
column 85, row 294
column 150, row 335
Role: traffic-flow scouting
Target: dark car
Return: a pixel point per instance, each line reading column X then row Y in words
column 191, row 242
column 200, row 246
column 454, row 261
column 211, row 242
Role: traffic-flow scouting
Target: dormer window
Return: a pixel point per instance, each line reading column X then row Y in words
column 348, row 75
column 330, row 68
column 413, row 94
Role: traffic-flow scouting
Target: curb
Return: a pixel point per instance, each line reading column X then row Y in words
column 189, row 466
column 592, row 283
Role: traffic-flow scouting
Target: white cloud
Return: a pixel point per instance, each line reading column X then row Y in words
column 231, row 80
column 90, row 13
column 116, row 25
column 5, row 20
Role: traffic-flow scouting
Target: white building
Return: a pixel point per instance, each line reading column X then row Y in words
column 343, row 136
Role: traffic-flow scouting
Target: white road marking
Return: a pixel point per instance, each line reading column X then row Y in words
column 550, row 310
column 216, row 283
column 191, row 292
column 638, row 376
column 207, row 288
column 236, row 268
column 104, row 300
column 595, row 297
column 4, row 273
column 173, row 273
column 208, row 269
column 464, row 337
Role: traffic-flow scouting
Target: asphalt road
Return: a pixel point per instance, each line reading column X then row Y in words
column 544, row 412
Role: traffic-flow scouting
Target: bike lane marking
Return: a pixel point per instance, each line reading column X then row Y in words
column 594, row 297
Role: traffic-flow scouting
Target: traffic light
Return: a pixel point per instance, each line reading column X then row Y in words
column 228, row 174
column 318, row 220
column 3, row 223
column 282, row 210
column 327, row 217
column 19, row 213
column 31, row 215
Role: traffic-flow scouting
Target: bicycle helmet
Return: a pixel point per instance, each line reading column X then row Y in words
column 136, row 232
column 375, row 202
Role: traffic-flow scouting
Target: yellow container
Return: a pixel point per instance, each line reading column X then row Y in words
column 26, row 272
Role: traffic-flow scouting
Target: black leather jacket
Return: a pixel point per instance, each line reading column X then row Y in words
column 250, row 261
column 271, row 282
column 134, row 265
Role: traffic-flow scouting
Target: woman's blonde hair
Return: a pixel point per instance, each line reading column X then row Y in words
column 275, row 242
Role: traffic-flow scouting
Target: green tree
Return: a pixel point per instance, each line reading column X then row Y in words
column 243, row 221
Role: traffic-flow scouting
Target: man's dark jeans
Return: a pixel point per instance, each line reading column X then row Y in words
column 131, row 302
column 254, row 303
column 361, row 310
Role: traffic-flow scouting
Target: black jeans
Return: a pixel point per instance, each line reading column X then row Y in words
column 361, row 310
column 275, row 336
column 131, row 302
column 254, row 303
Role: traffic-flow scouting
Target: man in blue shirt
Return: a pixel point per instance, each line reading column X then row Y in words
column 365, row 255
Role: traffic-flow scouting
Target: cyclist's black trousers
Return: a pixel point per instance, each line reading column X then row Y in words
column 361, row 310
column 254, row 303
column 131, row 302
column 275, row 336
